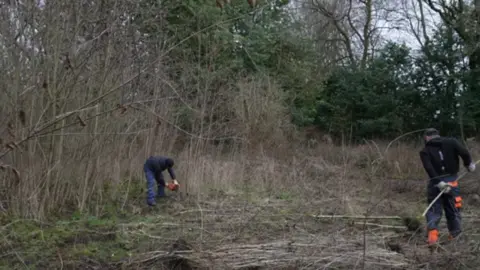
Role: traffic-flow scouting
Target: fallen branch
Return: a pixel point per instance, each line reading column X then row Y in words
column 381, row 225
column 357, row 217
column 316, row 253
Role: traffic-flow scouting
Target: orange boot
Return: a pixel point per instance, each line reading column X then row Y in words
column 432, row 237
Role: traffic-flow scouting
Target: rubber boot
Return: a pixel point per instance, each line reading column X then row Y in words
column 432, row 237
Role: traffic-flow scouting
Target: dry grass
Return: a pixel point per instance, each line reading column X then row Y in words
column 300, row 253
column 249, row 184
column 257, row 212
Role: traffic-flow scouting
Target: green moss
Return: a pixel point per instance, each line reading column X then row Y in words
column 102, row 251
column 93, row 221
column 40, row 244
column 284, row 195
column 412, row 223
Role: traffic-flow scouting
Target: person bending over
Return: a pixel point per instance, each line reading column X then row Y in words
column 153, row 168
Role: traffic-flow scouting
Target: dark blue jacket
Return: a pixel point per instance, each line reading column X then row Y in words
column 158, row 164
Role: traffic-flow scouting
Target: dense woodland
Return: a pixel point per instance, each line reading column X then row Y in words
column 89, row 89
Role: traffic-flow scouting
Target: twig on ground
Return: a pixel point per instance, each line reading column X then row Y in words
column 381, row 225
column 357, row 217
column 284, row 253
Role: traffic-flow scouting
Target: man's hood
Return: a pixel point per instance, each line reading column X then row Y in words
column 435, row 141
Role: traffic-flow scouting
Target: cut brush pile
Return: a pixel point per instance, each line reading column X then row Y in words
column 305, row 253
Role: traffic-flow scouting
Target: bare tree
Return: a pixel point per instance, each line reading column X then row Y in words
column 358, row 25
column 90, row 91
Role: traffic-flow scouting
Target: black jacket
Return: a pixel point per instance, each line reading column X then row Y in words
column 158, row 164
column 451, row 149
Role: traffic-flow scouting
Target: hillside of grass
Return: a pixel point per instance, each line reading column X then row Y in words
column 311, row 218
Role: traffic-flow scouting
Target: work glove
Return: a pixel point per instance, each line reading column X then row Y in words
column 471, row 167
column 444, row 186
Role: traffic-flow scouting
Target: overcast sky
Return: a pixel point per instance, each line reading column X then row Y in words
column 402, row 12
column 405, row 34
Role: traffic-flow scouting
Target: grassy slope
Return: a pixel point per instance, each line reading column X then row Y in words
column 274, row 228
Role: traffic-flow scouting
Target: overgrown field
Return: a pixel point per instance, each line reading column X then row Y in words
column 291, row 214
column 268, row 108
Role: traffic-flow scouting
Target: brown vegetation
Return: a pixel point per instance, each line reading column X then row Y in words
column 82, row 109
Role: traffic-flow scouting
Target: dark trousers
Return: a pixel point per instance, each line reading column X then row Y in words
column 152, row 177
column 450, row 202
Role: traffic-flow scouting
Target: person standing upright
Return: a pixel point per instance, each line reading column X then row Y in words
column 440, row 159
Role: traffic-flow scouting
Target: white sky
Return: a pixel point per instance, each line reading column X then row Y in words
column 41, row 3
column 399, row 10
column 405, row 34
